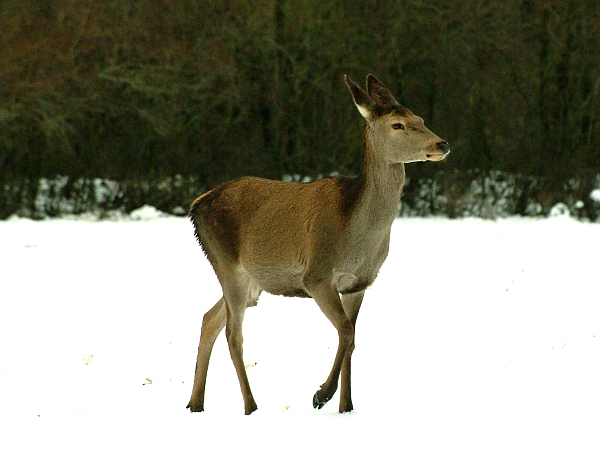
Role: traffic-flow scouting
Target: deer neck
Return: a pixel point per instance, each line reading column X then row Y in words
column 381, row 183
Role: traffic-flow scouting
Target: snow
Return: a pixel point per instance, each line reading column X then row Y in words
column 595, row 195
column 560, row 210
column 146, row 212
column 479, row 339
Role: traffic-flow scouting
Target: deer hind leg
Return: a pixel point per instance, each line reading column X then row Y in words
column 329, row 301
column 239, row 296
column 351, row 303
column 212, row 324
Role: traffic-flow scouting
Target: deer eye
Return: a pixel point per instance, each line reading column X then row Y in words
column 398, row 126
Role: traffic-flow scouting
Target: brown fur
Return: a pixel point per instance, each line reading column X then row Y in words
column 325, row 240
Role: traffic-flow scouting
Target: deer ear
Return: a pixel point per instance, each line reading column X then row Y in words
column 378, row 93
column 361, row 99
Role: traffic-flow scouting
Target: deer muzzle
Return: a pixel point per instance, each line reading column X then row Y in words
column 444, row 148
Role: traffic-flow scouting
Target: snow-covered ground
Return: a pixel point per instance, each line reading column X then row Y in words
column 479, row 339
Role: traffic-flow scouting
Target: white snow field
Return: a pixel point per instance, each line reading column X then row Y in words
column 479, row 339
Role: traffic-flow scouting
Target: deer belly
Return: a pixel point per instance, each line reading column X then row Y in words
column 280, row 282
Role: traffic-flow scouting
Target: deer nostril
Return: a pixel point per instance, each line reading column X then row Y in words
column 444, row 146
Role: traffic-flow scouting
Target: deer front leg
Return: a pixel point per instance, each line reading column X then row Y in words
column 212, row 324
column 351, row 303
column 329, row 301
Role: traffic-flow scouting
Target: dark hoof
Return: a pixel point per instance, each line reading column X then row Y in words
column 346, row 409
column 195, row 409
column 250, row 410
column 319, row 402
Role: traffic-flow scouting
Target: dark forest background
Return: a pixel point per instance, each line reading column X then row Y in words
column 139, row 92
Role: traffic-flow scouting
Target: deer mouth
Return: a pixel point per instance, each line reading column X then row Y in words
column 437, row 156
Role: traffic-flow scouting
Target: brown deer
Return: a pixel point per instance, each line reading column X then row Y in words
column 326, row 240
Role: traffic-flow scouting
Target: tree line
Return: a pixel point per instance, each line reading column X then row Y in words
column 126, row 89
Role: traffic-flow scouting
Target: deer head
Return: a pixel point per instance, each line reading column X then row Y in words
column 402, row 137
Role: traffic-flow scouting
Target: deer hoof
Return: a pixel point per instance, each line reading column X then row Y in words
column 250, row 409
column 319, row 402
column 195, row 408
column 346, row 408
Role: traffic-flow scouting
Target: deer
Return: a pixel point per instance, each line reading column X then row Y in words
column 324, row 240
